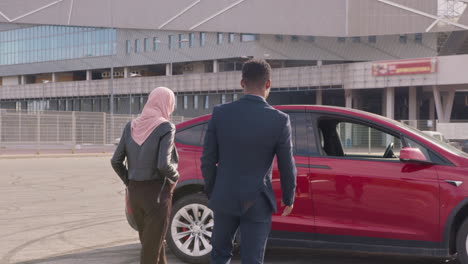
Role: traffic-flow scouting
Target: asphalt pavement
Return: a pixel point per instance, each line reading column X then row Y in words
column 67, row 210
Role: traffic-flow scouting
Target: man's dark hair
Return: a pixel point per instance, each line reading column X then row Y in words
column 256, row 72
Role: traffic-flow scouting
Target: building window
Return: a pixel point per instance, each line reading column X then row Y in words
column 418, row 38
column 403, row 39
column 223, row 99
column 232, row 37
column 247, row 37
column 155, row 44
column 220, row 38
column 207, row 101
column 191, row 39
column 294, row 38
column 171, row 41
column 175, row 102
column 311, row 38
column 195, row 101
column 372, row 39
column 128, row 46
column 279, row 37
column 185, row 101
column 202, row 39
column 341, row 40
column 356, row 39
column 147, row 44
column 234, row 97
column 137, row 45
column 49, row 43
column 181, row 41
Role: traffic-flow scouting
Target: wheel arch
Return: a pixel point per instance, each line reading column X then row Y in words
column 455, row 219
column 188, row 187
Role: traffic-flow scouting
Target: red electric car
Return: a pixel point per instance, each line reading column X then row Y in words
column 364, row 183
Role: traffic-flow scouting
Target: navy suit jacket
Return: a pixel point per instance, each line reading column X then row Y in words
column 241, row 142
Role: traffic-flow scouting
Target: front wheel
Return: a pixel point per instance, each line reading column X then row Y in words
column 190, row 229
column 462, row 243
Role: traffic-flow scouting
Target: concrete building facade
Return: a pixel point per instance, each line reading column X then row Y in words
column 63, row 56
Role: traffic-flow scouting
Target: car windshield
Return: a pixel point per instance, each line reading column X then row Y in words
column 436, row 141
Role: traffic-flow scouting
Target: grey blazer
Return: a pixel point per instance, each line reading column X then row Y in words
column 156, row 159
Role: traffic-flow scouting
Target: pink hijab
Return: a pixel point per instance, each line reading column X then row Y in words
column 157, row 110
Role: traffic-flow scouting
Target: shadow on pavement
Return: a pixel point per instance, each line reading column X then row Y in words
column 125, row 254
column 129, row 254
column 303, row 256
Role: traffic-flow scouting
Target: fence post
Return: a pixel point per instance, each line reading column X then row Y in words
column 73, row 130
column 19, row 124
column 104, row 128
column 58, row 128
column 38, row 132
column 1, row 129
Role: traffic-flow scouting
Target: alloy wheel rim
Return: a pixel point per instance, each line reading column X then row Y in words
column 191, row 229
column 466, row 244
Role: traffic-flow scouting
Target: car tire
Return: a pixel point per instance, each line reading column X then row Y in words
column 190, row 228
column 462, row 243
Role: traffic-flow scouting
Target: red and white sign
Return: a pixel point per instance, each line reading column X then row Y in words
column 404, row 67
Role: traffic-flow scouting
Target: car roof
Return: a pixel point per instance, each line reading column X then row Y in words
column 314, row 108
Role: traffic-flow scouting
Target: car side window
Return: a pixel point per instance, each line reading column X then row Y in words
column 301, row 133
column 412, row 144
column 350, row 139
column 192, row 136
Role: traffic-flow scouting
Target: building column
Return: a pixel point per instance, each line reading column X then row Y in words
column 319, row 92
column 89, row 75
column 431, row 109
column 438, row 104
column 349, row 98
column 215, row 66
column 412, row 103
column 54, row 77
column 168, row 69
column 23, row 79
column 319, row 96
column 448, row 104
column 125, row 72
column 390, row 102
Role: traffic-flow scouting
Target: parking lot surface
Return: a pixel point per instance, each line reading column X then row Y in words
column 71, row 210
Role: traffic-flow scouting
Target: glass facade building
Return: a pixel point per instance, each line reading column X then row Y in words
column 51, row 43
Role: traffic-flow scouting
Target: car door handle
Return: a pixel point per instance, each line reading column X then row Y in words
column 454, row 183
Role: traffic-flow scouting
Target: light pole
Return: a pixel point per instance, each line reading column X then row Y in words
column 132, row 75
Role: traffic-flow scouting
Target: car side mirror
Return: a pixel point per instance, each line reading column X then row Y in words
column 412, row 155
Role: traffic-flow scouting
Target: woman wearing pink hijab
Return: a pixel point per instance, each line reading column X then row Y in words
column 148, row 145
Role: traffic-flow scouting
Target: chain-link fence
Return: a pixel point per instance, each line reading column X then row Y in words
column 364, row 140
column 54, row 131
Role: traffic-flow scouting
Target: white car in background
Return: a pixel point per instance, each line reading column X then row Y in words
column 441, row 137
column 436, row 135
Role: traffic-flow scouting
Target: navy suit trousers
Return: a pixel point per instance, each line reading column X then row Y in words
column 254, row 226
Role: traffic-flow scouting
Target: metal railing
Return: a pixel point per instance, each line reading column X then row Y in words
column 47, row 130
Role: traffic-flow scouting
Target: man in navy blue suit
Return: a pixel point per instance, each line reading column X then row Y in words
column 241, row 142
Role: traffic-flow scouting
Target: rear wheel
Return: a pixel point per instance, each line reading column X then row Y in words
column 190, row 229
column 462, row 243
